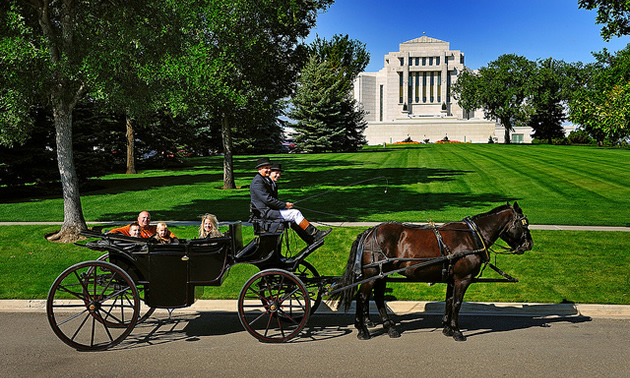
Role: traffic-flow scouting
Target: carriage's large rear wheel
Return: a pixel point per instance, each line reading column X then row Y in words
column 274, row 305
column 93, row 305
column 145, row 310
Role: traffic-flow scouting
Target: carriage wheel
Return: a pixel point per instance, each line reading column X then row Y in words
column 145, row 311
column 274, row 305
column 93, row 305
column 307, row 273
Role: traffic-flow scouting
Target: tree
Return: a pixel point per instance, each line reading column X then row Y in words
column 322, row 109
column 339, row 126
column 243, row 58
column 601, row 103
column 613, row 14
column 500, row 89
column 57, row 52
column 465, row 90
column 348, row 56
column 547, row 100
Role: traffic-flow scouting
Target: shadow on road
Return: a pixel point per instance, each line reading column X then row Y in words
column 321, row 327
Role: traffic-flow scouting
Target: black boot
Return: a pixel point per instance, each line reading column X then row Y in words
column 315, row 233
column 302, row 234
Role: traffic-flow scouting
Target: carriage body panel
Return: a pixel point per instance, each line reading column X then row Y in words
column 174, row 274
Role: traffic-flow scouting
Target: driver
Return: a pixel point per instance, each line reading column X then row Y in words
column 265, row 204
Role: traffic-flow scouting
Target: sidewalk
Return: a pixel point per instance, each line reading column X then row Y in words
column 341, row 224
column 536, row 310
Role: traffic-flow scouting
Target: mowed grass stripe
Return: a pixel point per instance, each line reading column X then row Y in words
column 555, row 185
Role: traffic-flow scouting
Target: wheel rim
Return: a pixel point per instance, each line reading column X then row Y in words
column 307, row 273
column 93, row 305
column 274, row 305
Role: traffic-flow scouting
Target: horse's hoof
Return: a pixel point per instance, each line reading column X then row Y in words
column 363, row 336
column 370, row 324
column 393, row 333
column 458, row 336
column 448, row 331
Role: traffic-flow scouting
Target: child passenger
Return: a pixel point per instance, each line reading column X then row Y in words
column 163, row 235
column 209, row 227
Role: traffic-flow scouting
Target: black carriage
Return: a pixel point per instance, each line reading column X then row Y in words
column 93, row 305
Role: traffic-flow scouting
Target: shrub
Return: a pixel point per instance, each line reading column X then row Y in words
column 579, row 137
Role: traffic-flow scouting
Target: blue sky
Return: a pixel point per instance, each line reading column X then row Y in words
column 483, row 30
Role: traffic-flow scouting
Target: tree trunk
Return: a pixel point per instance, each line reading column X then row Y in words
column 508, row 126
column 228, row 162
column 73, row 221
column 131, row 155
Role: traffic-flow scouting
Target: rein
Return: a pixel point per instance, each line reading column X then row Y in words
column 345, row 186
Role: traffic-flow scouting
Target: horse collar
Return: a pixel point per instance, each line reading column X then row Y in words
column 481, row 244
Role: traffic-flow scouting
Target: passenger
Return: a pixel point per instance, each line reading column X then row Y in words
column 134, row 230
column 209, row 227
column 146, row 229
column 163, row 235
column 265, row 204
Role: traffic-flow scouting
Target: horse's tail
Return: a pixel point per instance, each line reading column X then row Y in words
column 346, row 296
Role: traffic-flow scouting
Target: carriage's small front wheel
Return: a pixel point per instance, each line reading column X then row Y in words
column 93, row 305
column 307, row 273
column 274, row 305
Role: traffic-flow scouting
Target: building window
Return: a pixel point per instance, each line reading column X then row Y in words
column 417, row 86
column 448, row 87
column 402, row 61
column 439, row 87
column 437, row 60
column 517, row 138
column 461, row 59
column 417, row 61
column 381, row 110
column 424, row 86
column 400, row 88
column 424, row 61
column 410, row 89
column 430, row 61
column 431, row 89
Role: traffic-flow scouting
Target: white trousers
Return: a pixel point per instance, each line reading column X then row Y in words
column 292, row 215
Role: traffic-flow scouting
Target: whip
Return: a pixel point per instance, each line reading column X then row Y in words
column 354, row 183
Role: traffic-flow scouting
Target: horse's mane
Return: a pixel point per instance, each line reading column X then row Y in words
column 492, row 212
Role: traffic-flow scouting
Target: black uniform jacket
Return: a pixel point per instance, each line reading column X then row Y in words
column 264, row 202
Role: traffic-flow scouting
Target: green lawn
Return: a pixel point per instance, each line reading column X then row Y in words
column 575, row 266
column 553, row 184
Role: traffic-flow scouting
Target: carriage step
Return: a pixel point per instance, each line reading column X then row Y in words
column 305, row 252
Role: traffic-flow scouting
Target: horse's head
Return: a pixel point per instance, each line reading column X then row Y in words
column 516, row 233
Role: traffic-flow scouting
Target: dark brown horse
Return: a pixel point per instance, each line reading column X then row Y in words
column 453, row 254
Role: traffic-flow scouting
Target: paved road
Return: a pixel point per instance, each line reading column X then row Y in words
column 214, row 344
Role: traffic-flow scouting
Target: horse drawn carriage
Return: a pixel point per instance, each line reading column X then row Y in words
column 94, row 305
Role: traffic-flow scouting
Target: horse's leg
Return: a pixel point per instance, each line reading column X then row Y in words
column 448, row 309
column 379, row 298
column 363, row 302
column 458, row 296
column 366, row 314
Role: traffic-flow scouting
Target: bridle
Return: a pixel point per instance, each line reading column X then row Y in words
column 518, row 218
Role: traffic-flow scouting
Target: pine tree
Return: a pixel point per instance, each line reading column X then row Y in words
column 326, row 114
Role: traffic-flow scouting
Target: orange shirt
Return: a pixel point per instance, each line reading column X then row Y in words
column 145, row 232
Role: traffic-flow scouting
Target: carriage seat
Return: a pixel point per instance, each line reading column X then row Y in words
column 268, row 227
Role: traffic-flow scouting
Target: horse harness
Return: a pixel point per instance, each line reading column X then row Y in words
column 446, row 256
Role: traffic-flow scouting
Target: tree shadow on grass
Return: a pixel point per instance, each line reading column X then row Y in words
column 331, row 193
column 350, row 202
